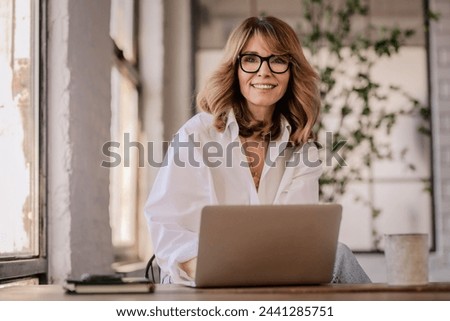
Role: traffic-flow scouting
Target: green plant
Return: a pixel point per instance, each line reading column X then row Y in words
column 356, row 116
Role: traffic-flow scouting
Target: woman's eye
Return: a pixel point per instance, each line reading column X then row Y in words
column 280, row 60
column 250, row 58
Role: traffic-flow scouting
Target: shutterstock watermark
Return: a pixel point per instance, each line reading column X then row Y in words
column 214, row 154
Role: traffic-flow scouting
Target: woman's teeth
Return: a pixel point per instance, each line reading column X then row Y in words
column 263, row 86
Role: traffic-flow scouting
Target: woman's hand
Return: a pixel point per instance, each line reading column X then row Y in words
column 189, row 267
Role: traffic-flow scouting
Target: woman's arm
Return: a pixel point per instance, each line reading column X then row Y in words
column 189, row 267
column 179, row 193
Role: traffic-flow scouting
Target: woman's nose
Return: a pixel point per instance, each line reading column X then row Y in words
column 264, row 69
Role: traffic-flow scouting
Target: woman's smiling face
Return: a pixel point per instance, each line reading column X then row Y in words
column 263, row 88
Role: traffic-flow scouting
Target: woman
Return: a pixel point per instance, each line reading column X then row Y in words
column 252, row 144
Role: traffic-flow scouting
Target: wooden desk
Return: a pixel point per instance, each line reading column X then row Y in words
column 340, row 292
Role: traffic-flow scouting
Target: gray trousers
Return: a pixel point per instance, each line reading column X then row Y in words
column 347, row 268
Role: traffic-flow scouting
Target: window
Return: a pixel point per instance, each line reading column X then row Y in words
column 22, row 234
column 125, row 131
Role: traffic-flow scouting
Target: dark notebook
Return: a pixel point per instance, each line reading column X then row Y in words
column 108, row 284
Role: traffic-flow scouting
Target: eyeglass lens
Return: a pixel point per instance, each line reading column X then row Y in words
column 252, row 63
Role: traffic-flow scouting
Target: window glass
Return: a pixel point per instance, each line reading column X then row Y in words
column 19, row 223
column 122, row 27
column 125, row 132
column 123, row 179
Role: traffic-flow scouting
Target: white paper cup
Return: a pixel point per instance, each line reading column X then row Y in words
column 406, row 259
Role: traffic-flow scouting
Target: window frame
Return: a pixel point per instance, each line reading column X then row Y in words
column 17, row 268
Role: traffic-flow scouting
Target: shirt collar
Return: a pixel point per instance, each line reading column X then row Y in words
column 285, row 130
column 232, row 126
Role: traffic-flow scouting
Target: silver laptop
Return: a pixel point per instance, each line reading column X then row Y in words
column 267, row 245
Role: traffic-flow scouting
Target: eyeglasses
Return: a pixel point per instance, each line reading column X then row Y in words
column 251, row 63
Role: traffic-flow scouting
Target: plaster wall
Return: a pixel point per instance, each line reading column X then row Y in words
column 178, row 69
column 79, row 114
column 151, row 51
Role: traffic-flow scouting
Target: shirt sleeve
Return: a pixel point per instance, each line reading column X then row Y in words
column 305, row 168
column 180, row 191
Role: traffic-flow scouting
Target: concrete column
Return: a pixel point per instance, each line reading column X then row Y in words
column 440, row 103
column 151, row 67
column 79, row 117
column 178, row 65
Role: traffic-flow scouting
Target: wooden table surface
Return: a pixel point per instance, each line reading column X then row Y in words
column 339, row 292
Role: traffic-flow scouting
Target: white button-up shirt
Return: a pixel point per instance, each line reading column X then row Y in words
column 206, row 167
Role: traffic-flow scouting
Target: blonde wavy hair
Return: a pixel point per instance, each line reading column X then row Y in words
column 300, row 104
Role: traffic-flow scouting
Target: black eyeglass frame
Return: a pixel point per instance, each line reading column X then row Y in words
column 261, row 62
